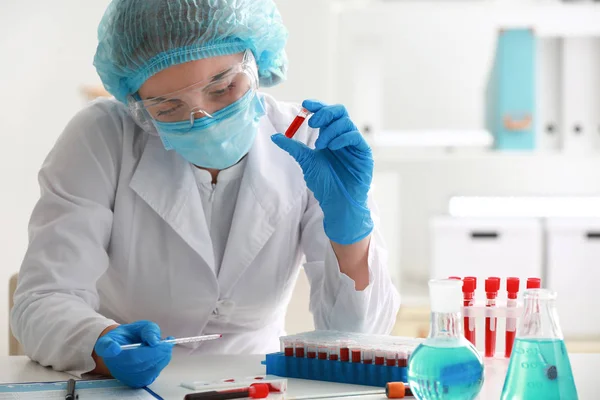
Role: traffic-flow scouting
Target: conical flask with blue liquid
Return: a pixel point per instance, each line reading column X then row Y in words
column 539, row 366
column 446, row 366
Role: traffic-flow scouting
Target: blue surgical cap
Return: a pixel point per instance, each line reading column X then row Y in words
column 138, row 38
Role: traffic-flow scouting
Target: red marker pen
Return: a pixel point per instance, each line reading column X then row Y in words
column 297, row 122
column 469, row 301
column 512, row 288
column 492, row 285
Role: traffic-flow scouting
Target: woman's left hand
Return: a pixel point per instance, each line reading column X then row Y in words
column 338, row 171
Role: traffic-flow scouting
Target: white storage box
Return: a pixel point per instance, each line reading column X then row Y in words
column 485, row 247
column 574, row 272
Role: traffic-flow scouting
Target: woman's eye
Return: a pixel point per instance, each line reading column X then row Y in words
column 221, row 92
column 170, row 110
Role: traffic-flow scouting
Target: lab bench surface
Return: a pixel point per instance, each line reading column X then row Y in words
column 185, row 367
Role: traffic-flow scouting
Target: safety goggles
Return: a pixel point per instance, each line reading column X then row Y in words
column 199, row 100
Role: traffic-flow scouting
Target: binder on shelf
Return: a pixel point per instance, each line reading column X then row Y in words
column 580, row 97
column 511, row 91
column 548, row 94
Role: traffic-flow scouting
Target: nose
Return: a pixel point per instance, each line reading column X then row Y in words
column 198, row 113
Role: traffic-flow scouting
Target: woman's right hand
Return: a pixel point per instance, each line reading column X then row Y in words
column 136, row 367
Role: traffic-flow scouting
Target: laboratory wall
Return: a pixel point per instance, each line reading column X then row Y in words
column 410, row 65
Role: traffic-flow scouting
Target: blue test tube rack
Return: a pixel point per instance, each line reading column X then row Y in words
column 333, row 371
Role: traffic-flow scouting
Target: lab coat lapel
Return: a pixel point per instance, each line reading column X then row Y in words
column 165, row 181
column 264, row 196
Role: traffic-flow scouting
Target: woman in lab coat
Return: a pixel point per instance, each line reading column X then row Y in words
column 179, row 209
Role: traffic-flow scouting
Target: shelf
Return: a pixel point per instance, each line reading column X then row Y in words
column 546, row 18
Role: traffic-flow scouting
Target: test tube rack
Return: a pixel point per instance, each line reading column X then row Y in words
column 360, row 359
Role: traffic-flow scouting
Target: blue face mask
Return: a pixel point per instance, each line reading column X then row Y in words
column 217, row 142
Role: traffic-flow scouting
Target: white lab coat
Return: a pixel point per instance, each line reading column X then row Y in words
column 119, row 235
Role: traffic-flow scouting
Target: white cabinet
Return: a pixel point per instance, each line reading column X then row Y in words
column 485, row 247
column 574, row 272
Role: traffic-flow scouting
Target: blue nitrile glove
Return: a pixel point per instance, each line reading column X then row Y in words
column 338, row 171
column 136, row 367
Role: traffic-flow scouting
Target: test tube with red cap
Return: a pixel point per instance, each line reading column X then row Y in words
column 492, row 285
column 512, row 289
column 297, row 122
column 468, row 301
column 534, row 283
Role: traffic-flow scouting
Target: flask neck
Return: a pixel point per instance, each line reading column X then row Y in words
column 540, row 318
column 446, row 325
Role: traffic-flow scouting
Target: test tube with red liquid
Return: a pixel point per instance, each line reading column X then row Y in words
column 288, row 348
column 390, row 358
column 299, row 348
column 334, row 353
column 468, row 301
column 512, row 289
column 492, row 285
column 297, row 122
column 402, row 358
column 367, row 355
column 323, row 352
column 344, row 352
column 356, row 355
column 379, row 357
column 311, row 350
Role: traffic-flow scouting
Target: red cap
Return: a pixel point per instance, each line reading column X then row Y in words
column 534, row 283
column 492, row 285
column 469, row 285
column 512, row 287
column 259, row 390
column 474, row 278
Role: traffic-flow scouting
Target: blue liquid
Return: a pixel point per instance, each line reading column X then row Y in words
column 539, row 369
column 448, row 371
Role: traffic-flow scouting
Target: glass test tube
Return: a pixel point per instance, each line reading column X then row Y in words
column 344, row 352
column 288, row 347
column 356, row 353
column 402, row 358
column 379, row 357
column 299, row 348
column 334, row 353
column 390, row 358
column 367, row 355
column 323, row 352
column 311, row 349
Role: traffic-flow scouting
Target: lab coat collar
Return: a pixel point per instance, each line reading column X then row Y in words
column 267, row 193
column 165, row 181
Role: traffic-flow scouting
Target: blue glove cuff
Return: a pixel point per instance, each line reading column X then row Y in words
column 349, row 225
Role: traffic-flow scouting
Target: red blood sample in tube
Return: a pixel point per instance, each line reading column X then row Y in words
column 492, row 285
column 402, row 358
column 344, row 354
column 323, row 353
column 300, row 349
column 468, row 299
column 289, row 350
column 390, row 359
column 379, row 358
column 311, row 354
column 367, row 356
column 356, row 355
column 334, row 354
column 512, row 288
column 296, row 123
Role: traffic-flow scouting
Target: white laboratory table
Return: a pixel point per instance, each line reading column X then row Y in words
column 185, row 368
